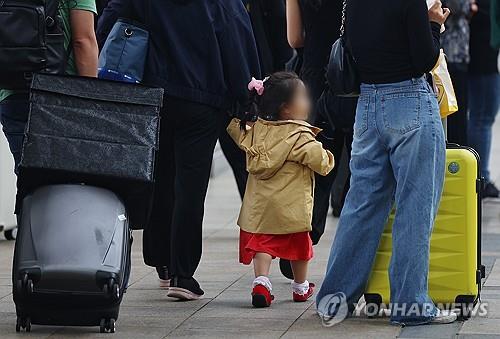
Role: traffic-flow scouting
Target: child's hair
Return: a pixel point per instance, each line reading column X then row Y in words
column 278, row 91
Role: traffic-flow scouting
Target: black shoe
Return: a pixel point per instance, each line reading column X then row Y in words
column 184, row 289
column 163, row 276
column 336, row 211
column 286, row 268
column 490, row 191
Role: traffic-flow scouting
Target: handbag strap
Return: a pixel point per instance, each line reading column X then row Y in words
column 342, row 25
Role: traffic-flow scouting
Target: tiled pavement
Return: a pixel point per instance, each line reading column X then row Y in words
column 225, row 311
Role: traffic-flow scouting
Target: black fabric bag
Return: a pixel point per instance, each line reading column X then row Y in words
column 31, row 41
column 342, row 74
column 101, row 133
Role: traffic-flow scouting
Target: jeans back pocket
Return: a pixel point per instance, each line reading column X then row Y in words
column 401, row 111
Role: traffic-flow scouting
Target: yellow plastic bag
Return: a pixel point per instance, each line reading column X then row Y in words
column 444, row 87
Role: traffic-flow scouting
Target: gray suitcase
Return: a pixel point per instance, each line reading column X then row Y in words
column 72, row 258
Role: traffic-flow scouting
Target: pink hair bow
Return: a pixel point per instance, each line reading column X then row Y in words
column 257, row 85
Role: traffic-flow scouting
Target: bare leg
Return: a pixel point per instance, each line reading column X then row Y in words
column 299, row 269
column 262, row 287
column 262, row 264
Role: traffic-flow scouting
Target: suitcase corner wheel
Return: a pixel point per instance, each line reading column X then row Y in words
column 23, row 323
column 373, row 304
column 25, row 285
column 112, row 289
column 10, row 234
column 466, row 304
column 107, row 325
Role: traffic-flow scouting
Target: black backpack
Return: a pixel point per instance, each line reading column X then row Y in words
column 31, row 41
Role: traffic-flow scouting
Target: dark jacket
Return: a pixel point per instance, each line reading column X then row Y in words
column 200, row 50
column 101, row 4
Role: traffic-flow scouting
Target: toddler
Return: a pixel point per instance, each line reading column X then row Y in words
column 282, row 156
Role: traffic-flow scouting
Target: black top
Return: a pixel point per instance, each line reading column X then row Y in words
column 483, row 57
column 322, row 26
column 269, row 27
column 321, row 20
column 392, row 40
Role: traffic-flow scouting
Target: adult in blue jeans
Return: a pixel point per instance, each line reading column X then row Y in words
column 13, row 116
column 398, row 153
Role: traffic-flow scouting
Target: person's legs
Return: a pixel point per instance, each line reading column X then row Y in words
column 299, row 268
column 262, row 264
column 156, row 236
column 235, row 157
column 347, row 105
column 365, row 212
column 14, row 112
column 414, row 133
column 338, row 116
column 196, row 133
column 323, row 186
column 484, row 106
column 302, row 290
column 261, row 286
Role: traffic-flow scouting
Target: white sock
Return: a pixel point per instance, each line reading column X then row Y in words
column 300, row 288
column 264, row 281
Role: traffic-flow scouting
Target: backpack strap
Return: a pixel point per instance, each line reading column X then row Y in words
column 51, row 9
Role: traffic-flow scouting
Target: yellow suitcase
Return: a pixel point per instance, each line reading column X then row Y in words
column 455, row 270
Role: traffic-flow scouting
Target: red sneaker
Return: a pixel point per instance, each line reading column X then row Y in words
column 261, row 297
column 299, row 298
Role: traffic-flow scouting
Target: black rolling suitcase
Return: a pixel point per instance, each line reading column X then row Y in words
column 86, row 179
column 71, row 271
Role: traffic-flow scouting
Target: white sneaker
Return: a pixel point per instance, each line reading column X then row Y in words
column 444, row 317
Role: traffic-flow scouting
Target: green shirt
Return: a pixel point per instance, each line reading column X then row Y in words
column 65, row 8
column 495, row 24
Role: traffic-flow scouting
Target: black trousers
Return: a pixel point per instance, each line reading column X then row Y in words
column 336, row 116
column 188, row 134
column 234, row 156
column 457, row 122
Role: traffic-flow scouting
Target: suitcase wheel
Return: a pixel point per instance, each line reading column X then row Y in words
column 10, row 234
column 23, row 323
column 112, row 289
column 373, row 304
column 107, row 325
column 372, row 310
column 25, row 285
column 29, row 287
column 466, row 311
column 466, row 304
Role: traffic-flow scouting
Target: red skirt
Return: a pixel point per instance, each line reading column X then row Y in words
column 295, row 246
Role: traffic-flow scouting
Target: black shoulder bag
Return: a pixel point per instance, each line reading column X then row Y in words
column 31, row 41
column 342, row 73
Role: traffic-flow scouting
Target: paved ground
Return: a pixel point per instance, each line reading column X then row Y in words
column 225, row 310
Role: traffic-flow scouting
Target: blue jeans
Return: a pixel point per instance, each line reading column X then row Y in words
column 13, row 115
column 398, row 155
column 484, row 103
